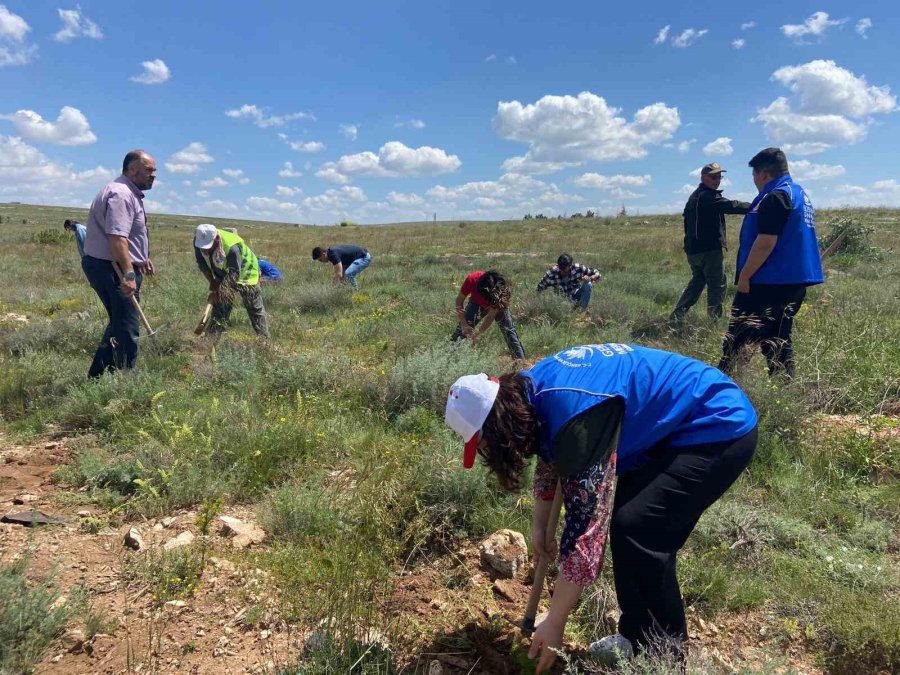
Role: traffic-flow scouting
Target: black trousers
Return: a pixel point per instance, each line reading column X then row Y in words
column 764, row 317
column 118, row 347
column 656, row 507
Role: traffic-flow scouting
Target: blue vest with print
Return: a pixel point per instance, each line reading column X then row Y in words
column 795, row 258
column 668, row 397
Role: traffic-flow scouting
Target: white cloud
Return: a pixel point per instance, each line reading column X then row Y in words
column 748, row 25
column 490, row 58
column 287, row 171
column 219, row 207
column 825, row 99
column 70, row 128
column 880, row 193
column 335, row 199
column 685, row 146
column 218, row 181
column 76, row 25
column 187, row 183
column 13, row 27
column 258, row 116
column 688, row 36
column 203, row 193
column 27, row 174
column 393, row 159
column 233, row 173
column 401, row 199
column 816, row 25
column 739, row 43
column 410, row 124
column 284, row 191
column 823, row 87
column 862, row 26
column 155, row 72
column 662, row 35
column 511, row 60
column 303, row 146
column 188, row 159
column 350, row 131
column 600, row 182
column 13, row 31
column 568, row 131
column 244, row 181
column 804, row 170
column 332, row 175
column 720, row 147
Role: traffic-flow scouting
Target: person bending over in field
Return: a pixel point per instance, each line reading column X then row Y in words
column 348, row 261
column 489, row 296
column 80, row 232
column 676, row 431
column 268, row 272
column 229, row 265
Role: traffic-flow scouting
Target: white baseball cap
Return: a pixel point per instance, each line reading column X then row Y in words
column 468, row 404
column 205, row 236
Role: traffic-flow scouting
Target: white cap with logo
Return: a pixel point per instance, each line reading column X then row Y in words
column 205, row 236
column 468, row 404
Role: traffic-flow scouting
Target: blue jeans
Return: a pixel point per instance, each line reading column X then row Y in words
column 118, row 347
column 356, row 267
column 474, row 314
column 583, row 295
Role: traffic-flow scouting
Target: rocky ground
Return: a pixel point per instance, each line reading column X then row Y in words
column 452, row 614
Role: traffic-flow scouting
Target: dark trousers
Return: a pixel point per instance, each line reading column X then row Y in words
column 707, row 270
column 474, row 314
column 764, row 317
column 118, row 347
column 253, row 303
column 656, row 507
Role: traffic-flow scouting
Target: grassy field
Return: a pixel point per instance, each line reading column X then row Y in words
column 353, row 384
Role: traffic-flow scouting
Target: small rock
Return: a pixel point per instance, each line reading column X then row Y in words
column 505, row 552
column 73, row 640
column 223, row 564
column 435, row 668
column 26, row 498
column 168, row 522
column 244, row 534
column 505, row 588
column 83, row 514
column 183, row 539
column 134, row 540
column 157, row 527
column 264, row 635
column 176, row 603
column 437, row 603
column 201, row 632
column 316, row 641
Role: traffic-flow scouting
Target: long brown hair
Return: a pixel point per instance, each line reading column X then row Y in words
column 511, row 432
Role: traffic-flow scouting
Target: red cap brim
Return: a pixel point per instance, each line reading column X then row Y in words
column 471, row 449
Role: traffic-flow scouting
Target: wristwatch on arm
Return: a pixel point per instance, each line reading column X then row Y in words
column 130, row 276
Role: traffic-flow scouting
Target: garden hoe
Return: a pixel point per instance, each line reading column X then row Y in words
column 540, row 570
column 204, row 320
column 137, row 305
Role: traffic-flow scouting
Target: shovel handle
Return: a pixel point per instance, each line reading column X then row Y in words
column 540, row 570
column 134, row 301
column 201, row 327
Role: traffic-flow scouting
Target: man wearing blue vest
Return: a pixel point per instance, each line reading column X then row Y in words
column 777, row 259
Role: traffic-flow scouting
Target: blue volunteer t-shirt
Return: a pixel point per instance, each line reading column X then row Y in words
column 667, row 397
column 269, row 271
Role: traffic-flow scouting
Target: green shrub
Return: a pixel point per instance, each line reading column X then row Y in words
column 30, row 617
column 856, row 239
column 297, row 513
column 50, row 237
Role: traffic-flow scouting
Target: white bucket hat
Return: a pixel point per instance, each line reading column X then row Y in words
column 205, row 236
column 468, row 404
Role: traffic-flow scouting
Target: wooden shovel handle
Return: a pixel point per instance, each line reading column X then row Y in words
column 540, row 570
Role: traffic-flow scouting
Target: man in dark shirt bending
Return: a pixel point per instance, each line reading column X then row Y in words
column 704, row 240
column 777, row 259
column 348, row 260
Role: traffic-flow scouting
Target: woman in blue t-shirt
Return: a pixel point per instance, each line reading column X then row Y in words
column 676, row 431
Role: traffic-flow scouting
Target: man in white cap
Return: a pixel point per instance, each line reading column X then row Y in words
column 229, row 265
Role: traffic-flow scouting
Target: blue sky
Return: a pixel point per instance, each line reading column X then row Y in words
column 393, row 111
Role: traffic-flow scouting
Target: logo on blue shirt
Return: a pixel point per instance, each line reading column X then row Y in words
column 579, row 357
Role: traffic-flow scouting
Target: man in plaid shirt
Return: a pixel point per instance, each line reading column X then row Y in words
column 573, row 280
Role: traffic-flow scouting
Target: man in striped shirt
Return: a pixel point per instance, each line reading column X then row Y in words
column 574, row 280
